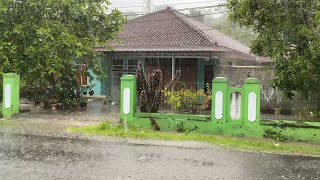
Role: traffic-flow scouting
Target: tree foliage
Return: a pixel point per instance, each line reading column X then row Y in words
column 196, row 14
column 288, row 32
column 224, row 25
column 42, row 39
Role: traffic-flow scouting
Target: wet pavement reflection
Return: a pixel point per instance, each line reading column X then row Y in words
column 44, row 157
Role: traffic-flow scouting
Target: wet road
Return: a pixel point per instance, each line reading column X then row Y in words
column 39, row 157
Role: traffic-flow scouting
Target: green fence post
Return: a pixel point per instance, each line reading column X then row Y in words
column 219, row 100
column 252, row 102
column 128, row 100
column 11, row 94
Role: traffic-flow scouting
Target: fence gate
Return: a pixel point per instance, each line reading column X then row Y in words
column 236, row 105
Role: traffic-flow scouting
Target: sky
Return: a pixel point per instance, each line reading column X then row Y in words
column 137, row 5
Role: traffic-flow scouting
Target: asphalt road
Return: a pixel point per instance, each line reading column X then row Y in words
column 39, row 157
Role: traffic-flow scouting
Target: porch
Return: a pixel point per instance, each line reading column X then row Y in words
column 197, row 68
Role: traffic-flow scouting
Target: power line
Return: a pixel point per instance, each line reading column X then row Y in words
column 158, row 5
column 148, row 5
column 138, row 22
column 203, row 7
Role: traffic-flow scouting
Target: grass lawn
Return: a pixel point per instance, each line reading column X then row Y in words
column 4, row 122
column 246, row 144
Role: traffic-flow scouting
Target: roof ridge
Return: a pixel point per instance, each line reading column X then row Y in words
column 184, row 19
column 203, row 33
column 149, row 14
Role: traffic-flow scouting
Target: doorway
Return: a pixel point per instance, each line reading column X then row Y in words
column 208, row 77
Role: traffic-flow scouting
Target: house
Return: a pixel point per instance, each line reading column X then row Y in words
column 170, row 40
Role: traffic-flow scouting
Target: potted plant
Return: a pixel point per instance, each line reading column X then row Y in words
column 83, row 104
column 91, row 92
column 84, row 90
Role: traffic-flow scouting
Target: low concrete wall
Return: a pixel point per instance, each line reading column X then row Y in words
column 270, row 98
column 237, row 75
column 291, row 131
column 220, row 121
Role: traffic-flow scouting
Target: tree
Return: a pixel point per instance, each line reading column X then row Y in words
column 42, row 40
column 149, row 91
column 196, row 14
column 287, row 32
column 224, row 25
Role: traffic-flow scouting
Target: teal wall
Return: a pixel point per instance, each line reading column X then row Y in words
column 201, row 71
column 103, row 86
column 97, row 84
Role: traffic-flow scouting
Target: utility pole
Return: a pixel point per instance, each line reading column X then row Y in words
column 148, row 6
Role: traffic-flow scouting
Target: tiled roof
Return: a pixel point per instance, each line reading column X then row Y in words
column 169, row 30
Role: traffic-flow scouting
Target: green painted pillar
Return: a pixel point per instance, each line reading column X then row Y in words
column 128, row 100
column 11, row 92
column 219, row 100
column 252, row 102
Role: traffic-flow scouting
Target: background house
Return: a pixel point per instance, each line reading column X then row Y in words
column 169, row 40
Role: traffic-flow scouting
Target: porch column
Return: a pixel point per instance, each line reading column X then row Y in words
column 173, row 69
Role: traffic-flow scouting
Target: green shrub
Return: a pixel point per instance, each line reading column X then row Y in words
column 71, row 103
column 180, row 126
column 270, row 133
column 309, row 113
column 187, row 100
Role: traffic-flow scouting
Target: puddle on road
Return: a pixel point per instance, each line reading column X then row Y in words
column 95, row 111
column 42, row 148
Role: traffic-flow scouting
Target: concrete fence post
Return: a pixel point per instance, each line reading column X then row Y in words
column 11, row 94
column 252, row 102
column 128, row 98
column 219, row 100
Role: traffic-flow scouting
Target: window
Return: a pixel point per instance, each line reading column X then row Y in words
column 117, row 64
column 122, row 67
column 83, row 74
column 132, row 64
column 117, row 72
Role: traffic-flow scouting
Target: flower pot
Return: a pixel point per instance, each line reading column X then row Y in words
column 84, row 92
column 91, row 93
column 83, row 104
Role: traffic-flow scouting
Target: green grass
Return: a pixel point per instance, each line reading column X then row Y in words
column 5, row 122
column 256, row 145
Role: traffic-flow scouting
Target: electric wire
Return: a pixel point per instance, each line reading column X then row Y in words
column 165, row 19
column 159, row 5
column 185, row 9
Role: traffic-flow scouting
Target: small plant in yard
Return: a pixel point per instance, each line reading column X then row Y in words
column 269, row 133
column 180, row 126
column 71, row 103
column 310, row 113
column 150, row 92
column 91, row 91
column 208, row 98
